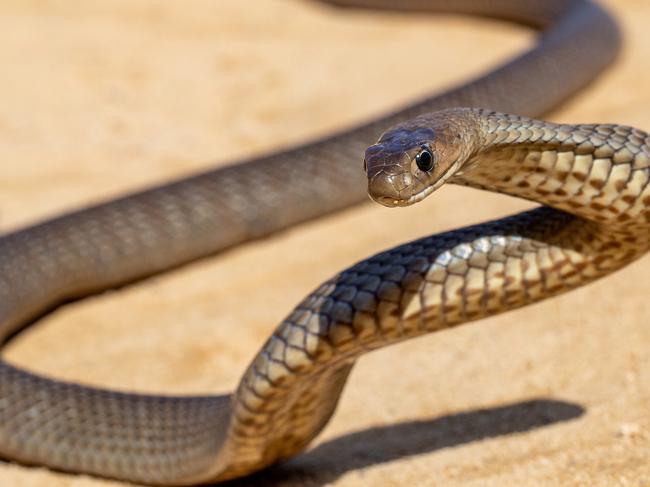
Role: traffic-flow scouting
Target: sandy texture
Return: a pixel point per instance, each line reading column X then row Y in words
column 102, row 96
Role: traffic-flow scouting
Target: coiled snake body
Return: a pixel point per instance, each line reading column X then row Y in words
column 592, row 179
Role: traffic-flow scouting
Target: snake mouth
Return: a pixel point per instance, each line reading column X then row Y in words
column 411, row 200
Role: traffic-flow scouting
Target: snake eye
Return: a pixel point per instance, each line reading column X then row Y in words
column 424, row 159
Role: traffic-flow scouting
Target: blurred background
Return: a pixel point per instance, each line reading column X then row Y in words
column 101, row 97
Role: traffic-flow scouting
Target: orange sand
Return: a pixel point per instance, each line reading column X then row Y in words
column 104, row 96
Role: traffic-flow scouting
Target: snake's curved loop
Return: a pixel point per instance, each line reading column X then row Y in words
column 292, row 386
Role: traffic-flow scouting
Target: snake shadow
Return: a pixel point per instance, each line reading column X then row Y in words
column 381, row 444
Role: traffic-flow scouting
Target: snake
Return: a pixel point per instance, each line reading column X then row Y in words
column 591, row 182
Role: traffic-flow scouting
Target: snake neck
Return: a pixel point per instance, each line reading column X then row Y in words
column 597, row 172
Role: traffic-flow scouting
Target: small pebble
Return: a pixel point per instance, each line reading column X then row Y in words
column 629, row 430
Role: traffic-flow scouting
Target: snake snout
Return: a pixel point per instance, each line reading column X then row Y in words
column 390, row 189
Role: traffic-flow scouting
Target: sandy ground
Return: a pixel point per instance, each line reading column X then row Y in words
column 103, row 96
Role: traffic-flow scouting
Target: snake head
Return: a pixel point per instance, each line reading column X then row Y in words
column 412, row 159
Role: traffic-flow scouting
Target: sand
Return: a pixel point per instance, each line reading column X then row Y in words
column 99, row 97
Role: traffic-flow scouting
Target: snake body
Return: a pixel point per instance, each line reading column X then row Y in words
column 593, row 179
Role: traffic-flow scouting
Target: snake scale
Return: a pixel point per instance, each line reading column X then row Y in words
column 591, row 179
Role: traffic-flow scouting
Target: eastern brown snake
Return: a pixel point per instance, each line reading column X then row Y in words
column 592, row 179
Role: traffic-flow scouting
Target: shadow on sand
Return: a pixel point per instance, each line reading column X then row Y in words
column 381, row 444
